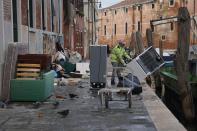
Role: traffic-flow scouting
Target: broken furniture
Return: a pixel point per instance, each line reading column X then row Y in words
column 34, row 81
column 43, row 59
column 98, row 66
column 28, row 71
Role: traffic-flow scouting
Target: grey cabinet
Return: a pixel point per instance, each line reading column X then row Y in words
column 98, row 65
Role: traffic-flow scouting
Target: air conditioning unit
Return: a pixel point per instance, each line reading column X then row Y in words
column 145, row 64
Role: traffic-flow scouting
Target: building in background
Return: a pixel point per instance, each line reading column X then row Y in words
column 79, row 26
column 168, row 33
column 90, row 24
column 121, row 20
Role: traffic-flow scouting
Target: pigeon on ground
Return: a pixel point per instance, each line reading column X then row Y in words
column 64, row 113
column 56, row 104
column 72, row 95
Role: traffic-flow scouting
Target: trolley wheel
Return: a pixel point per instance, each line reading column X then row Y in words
column 106, row 101
column 129, row 100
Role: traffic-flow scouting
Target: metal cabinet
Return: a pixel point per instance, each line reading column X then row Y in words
column 98, row 65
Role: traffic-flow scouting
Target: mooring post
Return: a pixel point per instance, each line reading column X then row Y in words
column 182, row 67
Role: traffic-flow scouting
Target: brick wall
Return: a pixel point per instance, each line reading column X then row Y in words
column 134, row 15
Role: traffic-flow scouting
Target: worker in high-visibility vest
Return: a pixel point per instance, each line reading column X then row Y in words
column 117, row 60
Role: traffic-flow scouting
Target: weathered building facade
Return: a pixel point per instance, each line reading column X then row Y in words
column 73, row 25
column 121, row 20
column 90, row 24
column 36, row 23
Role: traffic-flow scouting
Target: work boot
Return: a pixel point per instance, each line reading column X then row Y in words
column 113, row 82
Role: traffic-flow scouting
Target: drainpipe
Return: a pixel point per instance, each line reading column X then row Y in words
column 194, row 37
column 141, row 18
column 92, row 23
column 194, row 7
column 28, row 24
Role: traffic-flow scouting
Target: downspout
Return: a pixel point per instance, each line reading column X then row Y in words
column 88, row 22
column 141, row 19
column 92, row 23
column 194, row 37
column 28, row 24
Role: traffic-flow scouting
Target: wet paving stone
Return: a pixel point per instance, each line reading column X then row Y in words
column 85, row 114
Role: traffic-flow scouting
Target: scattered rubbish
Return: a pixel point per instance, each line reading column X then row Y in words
column 73, row 96
column 73, row 81
column 83, row 68
column 75, row 75
column 40, row 114
column 81, row 86
column 66, row 75
column 59, row 71
column 56, row 104
column 36, row 105
column 64, row 113
column 60, row 97
column 62, row 82
column 86, row 76
column 75, row 57
column 2, row 105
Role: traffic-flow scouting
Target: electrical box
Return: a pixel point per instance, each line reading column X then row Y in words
column 146, row 63
column 98, row 66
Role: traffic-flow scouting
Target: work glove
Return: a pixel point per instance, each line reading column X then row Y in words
column 124, row 64
column 130, row 59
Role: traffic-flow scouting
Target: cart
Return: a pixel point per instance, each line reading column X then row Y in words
column 105, row 94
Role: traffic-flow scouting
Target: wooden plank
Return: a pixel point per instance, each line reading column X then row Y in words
column 139, row 43
column 27, row 74
column 26, row 78
column 9, row 70
column 28, row 65
column 149, row 37
column 28, row 70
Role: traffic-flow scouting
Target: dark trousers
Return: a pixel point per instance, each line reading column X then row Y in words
column 116, row 70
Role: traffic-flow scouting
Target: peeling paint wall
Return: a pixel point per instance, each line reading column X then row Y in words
column 39, row 41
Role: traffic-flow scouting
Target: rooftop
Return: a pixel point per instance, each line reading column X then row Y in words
column 128, row 2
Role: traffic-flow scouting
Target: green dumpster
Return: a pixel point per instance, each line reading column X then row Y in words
column 32, row 90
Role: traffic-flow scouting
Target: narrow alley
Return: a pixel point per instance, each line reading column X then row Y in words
column 98, row 65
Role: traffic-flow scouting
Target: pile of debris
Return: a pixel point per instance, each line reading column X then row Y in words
column 66, row 62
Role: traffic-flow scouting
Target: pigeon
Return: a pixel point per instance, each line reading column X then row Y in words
column 64, row 113
column 36, row 105
column 72, row 95
column 56, row 104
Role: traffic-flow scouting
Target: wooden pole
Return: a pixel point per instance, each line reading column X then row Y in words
column 149, row 37
column 161, row 48
column 182, row 67
column 139, row 43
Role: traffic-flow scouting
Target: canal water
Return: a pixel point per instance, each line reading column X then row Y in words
column 172, row 100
